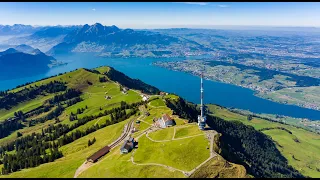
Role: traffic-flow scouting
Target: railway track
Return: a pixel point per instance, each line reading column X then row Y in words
column 87, row 164
column 126, row 133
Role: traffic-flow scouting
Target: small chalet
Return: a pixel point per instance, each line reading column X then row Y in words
column 125, row 90
column 127, row 146
column 163, row 93
column 165, row 121
column 145, row 97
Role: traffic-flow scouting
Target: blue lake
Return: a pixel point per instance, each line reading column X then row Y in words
column 183, row 84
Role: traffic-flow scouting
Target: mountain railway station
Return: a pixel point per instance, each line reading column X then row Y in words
column 103, row 151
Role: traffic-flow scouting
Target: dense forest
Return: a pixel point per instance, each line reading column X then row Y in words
column 126, row 81
column 10, row 99
column 242, row 144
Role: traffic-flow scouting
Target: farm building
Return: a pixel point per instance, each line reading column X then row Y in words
column 99, row 154
column 127, row 146
column 125, row 90
column 145, row 97
column 147, row 113
column 165, row 121
column 163, row 93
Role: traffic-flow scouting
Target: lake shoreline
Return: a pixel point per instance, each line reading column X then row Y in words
column 183, row 84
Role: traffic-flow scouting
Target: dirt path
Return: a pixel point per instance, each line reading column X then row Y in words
column 156, row 164
column 210, row 135
column 173, row 139
column 174, row 133
column 98, row 121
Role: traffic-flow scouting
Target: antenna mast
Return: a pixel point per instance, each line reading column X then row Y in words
column 201, row 118
column 201, row 90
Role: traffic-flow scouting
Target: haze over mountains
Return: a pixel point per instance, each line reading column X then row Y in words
column 106, row 40
column 43, row 39
column 17, row 29
column 112, row 40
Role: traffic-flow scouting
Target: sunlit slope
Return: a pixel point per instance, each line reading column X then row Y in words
column 301, row 148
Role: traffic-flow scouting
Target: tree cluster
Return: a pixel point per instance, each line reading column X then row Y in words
column 53, row 114
column 256, row 151
column 8, row 126
column 126, row 81
column 90, row 142
column 25, row 158
column 183, row 109
column 12, row 99
column 102, row 79
column 69, row 94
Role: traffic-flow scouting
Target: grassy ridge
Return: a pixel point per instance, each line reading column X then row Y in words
column 302, row 155
column 184, row 154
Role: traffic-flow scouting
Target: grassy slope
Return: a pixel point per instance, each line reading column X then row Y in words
column 75, row 154
column 94, row 98
column 187, row 131
column 183, row 154
column 306, row 151
column 165, row 134
column 179, row 152
column 175, row 153
column 24, row 107
column 117, row 165
column 218, row 167
column 157, row 103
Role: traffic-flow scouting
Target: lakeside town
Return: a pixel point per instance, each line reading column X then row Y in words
column 275, row 88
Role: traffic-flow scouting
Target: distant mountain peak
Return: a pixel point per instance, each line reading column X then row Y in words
column 22, row 45
column 9, row 51
column 98, row 24
column 24, row 48
column 36, row 51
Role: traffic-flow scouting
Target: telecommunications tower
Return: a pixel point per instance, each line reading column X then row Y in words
column 201, row 118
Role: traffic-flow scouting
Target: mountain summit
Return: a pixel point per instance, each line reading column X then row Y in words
column 111, row 39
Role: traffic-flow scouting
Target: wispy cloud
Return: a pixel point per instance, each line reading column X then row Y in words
column 195, row 3
column 223, row 6
column 93, row 9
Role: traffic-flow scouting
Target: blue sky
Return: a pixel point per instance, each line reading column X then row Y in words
column 162, row 14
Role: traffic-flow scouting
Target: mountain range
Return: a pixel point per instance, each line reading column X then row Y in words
column 44, row 38
column 106, row 41
column 22, row 61
column 111, row 40
column 17, row 29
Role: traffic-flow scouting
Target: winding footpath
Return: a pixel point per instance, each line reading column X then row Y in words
column 210, row 135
